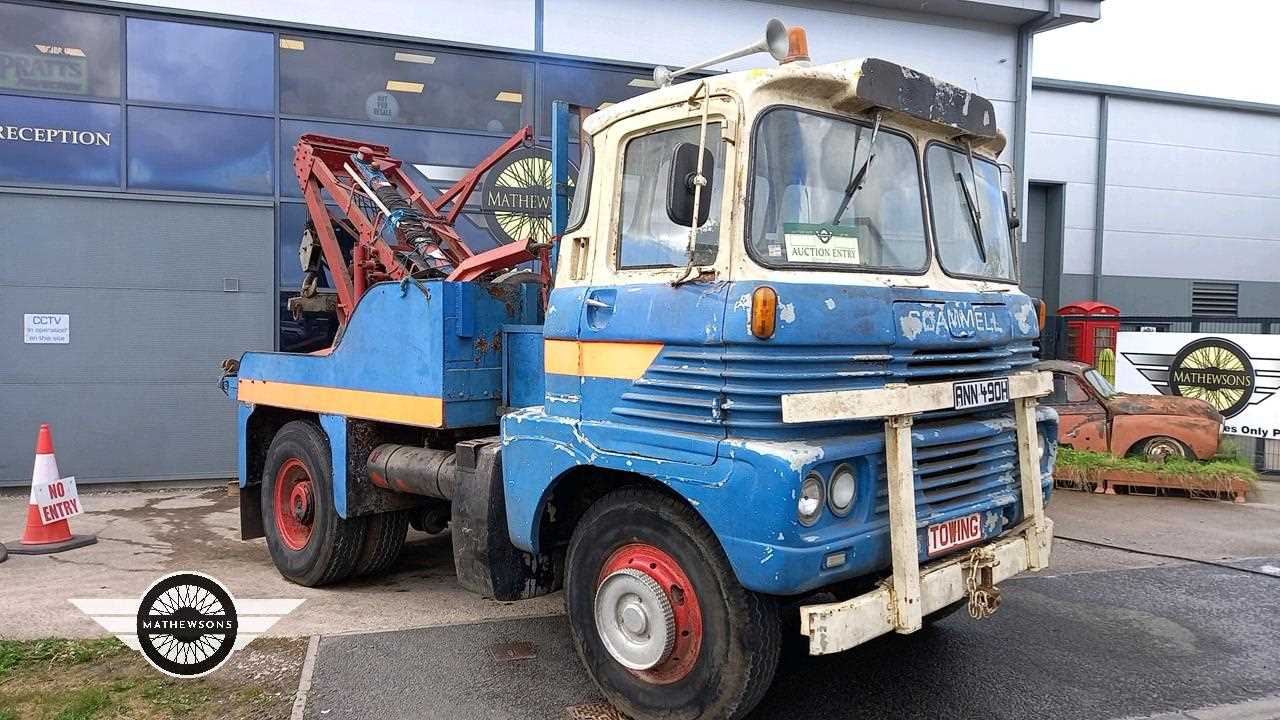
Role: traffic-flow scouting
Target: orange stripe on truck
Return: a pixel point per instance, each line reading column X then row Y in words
column 419, row 410
column 618, row 360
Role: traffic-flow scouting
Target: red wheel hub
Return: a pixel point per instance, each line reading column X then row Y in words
column 294, row 504
column 680, row 592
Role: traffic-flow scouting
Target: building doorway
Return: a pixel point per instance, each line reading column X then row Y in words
column 1040, row 252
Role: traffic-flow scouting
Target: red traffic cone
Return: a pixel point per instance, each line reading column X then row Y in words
column 47, row 528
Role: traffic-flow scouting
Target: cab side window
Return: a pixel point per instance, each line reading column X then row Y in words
column 1059, row 394
column 648, row 237
column 1075, row 393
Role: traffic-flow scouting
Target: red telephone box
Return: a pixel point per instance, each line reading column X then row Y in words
column 1091, row 333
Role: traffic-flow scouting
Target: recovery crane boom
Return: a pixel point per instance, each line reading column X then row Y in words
column 394, row 231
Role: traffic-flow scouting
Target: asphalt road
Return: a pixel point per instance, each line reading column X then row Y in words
column 1083, row 646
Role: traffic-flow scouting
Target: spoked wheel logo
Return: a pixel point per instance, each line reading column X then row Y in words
column 187, row 624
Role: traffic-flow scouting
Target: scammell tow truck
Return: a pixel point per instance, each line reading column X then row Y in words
column 777, row 366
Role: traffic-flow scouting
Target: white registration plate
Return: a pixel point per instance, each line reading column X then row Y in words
column 976, row 393
column 955, row 533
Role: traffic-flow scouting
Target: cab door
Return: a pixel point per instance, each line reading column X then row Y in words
column 1082, row 419
column 651, row 327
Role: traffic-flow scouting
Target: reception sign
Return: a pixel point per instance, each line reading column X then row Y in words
column 1239, row 375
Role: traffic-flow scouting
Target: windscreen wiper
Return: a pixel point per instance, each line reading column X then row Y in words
column 857, row 177
column 971, row 202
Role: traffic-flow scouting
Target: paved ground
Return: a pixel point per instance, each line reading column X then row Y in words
column 145, row 534
column 1105, row 633
column 1078, row 647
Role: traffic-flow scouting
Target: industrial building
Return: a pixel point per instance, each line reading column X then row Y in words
column 1158, row 203
column 147, row 191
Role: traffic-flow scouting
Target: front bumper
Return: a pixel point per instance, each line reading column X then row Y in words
column 838, row 626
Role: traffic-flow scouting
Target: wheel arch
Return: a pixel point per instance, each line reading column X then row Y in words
column 259, row 426
column 1128, row 433
column 571, row 493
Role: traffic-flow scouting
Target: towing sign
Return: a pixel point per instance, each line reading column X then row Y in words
column 57, row 499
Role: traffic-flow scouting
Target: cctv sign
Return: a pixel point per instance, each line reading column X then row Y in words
column 46, row 329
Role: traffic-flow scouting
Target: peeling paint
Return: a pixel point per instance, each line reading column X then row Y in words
column 911, row 326
column 798, row 454
column 1024, row 318
column 744, row 303
column 831, row 304
column 552, row 397
column 788, row 313
column 768, row 554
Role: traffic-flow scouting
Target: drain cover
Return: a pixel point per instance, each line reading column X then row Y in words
column 507, row 652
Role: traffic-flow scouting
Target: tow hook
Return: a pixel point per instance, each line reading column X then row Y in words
column 984, row 596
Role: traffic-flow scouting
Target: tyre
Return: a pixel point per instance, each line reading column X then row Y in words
column 309, row 543
column 384, row 537
column 659, row 619
column 1161, row 448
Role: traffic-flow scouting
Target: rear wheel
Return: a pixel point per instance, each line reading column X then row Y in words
column 383, row 541
column 658, row 617
column 309, row 542
column 1161, row 448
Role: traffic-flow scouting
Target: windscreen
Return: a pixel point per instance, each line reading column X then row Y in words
column 825, row 196
column 969, row 217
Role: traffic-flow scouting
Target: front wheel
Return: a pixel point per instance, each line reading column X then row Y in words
column 658, row 617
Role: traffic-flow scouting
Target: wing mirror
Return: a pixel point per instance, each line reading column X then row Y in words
column 1010, row 215
column 681, row 184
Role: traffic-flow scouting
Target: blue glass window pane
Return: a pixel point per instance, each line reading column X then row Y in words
column 584, row 86
column 59, row 51
column 200, row 65
column 387, row 84
column 199, row 152
column 59, row 142
column 313, row 332
column 293, row 220
column 412, row 146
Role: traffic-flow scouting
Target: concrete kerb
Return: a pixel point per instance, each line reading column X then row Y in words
column 1267, row 708
column 304, row 679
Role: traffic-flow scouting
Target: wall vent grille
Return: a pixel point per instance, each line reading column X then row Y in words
column 1215, row 299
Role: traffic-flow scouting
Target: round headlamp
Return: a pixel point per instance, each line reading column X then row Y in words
column 809, row 504
column 844, row 491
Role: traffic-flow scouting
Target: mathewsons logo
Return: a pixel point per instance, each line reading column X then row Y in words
column 517, row 195
column 186, row 624
column 1214, row 370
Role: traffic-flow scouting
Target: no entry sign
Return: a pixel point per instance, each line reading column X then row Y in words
column 57, row 499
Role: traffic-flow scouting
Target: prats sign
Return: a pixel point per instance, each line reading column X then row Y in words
column 51, row 69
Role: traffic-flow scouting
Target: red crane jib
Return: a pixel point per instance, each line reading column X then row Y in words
column 324, row 166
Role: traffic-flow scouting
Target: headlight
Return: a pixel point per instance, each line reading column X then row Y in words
column 809, row 505
column 844, row 490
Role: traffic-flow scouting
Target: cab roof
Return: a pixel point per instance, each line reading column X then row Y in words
column 848, row 86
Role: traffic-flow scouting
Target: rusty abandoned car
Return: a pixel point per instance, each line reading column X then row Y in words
column 1093, row 415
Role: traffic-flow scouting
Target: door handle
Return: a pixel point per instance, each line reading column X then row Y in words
column 600, row 304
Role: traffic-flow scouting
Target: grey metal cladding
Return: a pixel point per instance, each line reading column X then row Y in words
column 134, row 394
column 121, row 431
column 108, row 242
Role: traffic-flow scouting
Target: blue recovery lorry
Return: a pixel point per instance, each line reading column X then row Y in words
column 769, row 372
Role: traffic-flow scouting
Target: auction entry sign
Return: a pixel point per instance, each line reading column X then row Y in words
column 1239, row 375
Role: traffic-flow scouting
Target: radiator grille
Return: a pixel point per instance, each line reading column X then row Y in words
column 979, row 459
